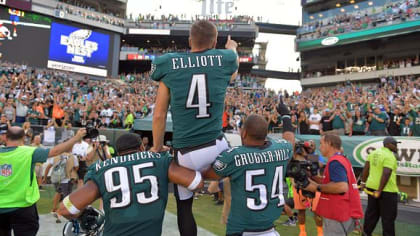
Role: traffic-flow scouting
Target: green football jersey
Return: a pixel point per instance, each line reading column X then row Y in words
column 134, row 190
column 197, row 83
column 257, row 178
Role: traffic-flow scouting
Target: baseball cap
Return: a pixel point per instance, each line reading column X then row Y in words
column 390, row 140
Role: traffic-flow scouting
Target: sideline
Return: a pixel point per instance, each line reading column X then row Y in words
column 48, row 226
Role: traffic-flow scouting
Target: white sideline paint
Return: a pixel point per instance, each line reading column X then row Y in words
column 48, row 227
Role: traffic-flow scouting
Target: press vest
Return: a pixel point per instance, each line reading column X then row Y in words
column 18, row 185
column 340, row 207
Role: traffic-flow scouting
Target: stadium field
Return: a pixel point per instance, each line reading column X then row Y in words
column 207, row 215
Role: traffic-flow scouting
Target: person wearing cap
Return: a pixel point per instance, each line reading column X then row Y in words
column 380, row 178
column 377, row 121
column 98, row 150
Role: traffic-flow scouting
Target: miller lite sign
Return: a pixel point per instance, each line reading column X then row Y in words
column 219, row 7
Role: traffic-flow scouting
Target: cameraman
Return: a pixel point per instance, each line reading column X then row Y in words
column 303, row 200
column 99, row 150
column 339, row 203
column 80, row 150
column 18, row 185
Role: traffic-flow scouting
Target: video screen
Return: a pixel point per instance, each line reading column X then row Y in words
column 20, row 4
column 78, row 50
column 24, row 37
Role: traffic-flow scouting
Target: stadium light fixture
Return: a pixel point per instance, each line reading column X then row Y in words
column 320, row 15
column 338, row 5
column 370, row 3
column 351, row 1
column 356, row 7
column 342, row 10
column 311, row 17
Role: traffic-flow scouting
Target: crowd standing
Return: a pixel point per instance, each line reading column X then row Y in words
column 390, row 13
column 43, row 97
column 390, row 106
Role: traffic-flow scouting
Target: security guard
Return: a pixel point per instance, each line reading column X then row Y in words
column 18, row 186
column 381, row 179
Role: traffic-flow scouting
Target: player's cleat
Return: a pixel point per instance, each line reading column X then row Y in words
column 219, row 202
column 290, row 222
column 56, row 216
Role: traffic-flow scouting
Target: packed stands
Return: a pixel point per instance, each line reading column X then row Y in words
column 358, row 17
column 78, row 8
column 40, row 95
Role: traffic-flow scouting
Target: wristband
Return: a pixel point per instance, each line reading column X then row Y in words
column 70, row 207
column 195, row 182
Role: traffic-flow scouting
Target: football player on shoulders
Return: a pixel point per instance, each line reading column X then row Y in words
column 194, row 85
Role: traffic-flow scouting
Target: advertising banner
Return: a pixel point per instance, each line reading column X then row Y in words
column 78, row 50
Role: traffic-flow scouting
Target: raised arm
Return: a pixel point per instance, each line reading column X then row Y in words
column 68, row 145
column 288, row 133
column 232, row 45
column 159, row 117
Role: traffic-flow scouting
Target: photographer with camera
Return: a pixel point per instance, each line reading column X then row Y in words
column 339, row 203
column 18, row 185
column 99, row 150
column 304, row 165
column 84, row 152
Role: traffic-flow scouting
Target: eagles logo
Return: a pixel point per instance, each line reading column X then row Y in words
column 219, row 165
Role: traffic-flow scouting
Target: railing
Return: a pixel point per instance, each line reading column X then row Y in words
column 375, row 20
column 361, row 76
column 49, row 7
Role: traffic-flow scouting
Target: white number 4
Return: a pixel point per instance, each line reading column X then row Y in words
column 198, row 86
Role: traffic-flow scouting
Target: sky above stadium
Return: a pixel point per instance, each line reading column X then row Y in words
column 280, row 51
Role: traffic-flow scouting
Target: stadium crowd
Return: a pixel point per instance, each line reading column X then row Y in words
column 390, row 13
column 41, row 96
column 391, row 63
column 389, row 107
column 79, row 8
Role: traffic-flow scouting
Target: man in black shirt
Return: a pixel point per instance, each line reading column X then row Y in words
column 395, row 117
column 326, row 124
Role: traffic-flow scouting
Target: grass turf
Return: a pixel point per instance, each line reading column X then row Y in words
column 207, row 216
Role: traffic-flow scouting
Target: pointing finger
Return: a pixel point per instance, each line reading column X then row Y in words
column 229, row 37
